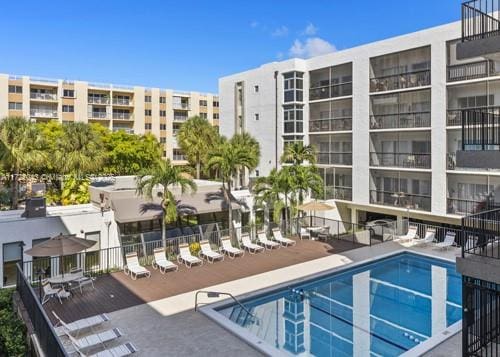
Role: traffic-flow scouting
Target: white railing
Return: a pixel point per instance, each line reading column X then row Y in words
column 43, row 113
column 43, row 96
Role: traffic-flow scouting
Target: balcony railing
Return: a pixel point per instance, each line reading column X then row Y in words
column 482, row 231
column 122, row 101
column 125, row 129
column 179, row 157
column 467, row 71
column 404, row 160
column 337, row 124
column 401, row 81
column 98, row 115
column 43, row 96
column 334, row 158
column 480, row 19
column 98, row 100
column 123, row 116
column 180, row 117
column 401, row 120
column 463, row 207
column 331, row 91
column 412, row 201
column 481, row 129
column 338, row 193
column 451, row 161
column 43, row 113
column 181, row 106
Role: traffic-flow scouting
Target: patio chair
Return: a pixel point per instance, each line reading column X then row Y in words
column 94, row 340
column 50, row 292
column 278, row 237
column 81, row 280
column 268, row 244
column 161, row 262
column 227, row 248
column 207, row 252
column 430, row 237
column 408, row 237
column 449, row 241
column 122, row 350
column 76, row 326
column 304, row 233
column 324, row 233
column 185, row 256
column 248, row 245
column 134, row 268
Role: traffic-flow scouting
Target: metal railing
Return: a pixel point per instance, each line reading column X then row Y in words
column 43, row 96
column 335, row 124
column 179, row 157
column 334, row 158
column 482, row 234
column 330, row 91
column 481, row 129
column 180, row 117
column 181, row 106
column 401, row 81
column 474, row 70
column 123, row 116
column 401, row 120
column 338, row 193
column 480, row 19
column 122, row 101
column 98, row 100
column 98, row 115
column 43, row 113
column 464, row 207
column 412, row 201
column 404, row 160
column 47, row 337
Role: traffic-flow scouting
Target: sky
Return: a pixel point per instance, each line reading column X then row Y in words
column 188, row 44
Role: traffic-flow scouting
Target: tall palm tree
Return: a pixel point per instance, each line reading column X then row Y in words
column 196, row 138
column 227, row 159
column 249, row 143
column 306, row 179
column 271, row 190
column 297, row 153
column 20, row 149
column 160, row 179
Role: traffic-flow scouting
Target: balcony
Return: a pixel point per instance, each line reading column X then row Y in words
column 179, row 157
column 337, row 124
column 401, row 81
column 123, row 116
column 98, row 115
column 474, row 70
column 483, row 235
column 43, row 96
column 401, row 121
column 464, row 207
column 181, row 106
column 122, row 101
column 338, row 193
column 125, row 129
column 331, row 91
column 403, row 160
column 43, row 113
column 401, row 200
column 180, row 117
column 98, row 100
column 334, row 158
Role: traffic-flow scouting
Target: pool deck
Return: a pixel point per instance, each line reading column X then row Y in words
column 169, row 324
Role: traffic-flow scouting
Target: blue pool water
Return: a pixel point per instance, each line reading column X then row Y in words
column 383, row 308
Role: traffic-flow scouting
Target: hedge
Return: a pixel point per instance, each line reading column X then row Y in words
column 12, row 329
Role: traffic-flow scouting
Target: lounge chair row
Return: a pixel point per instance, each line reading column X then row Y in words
column 429, row 238
column 134, row 269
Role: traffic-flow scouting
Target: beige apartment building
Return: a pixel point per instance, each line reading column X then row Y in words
column 134, row 109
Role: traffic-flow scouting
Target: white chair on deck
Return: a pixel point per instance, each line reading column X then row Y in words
column 449, row 241
column 248, row 245
column 185, row 257
column 76, row 326
column 278, row 237
column 227, row 248
column 91, row 341
column 262, row 240
column 207, row 252
column 410, row 236
column 304, row 233
column 50, row 292
column 161, row 262
column 430, row 237
column 134, row 268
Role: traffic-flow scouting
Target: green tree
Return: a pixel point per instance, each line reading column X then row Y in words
column 269, row 190
column 197, row 137
column 20, row 150
column 249, row 143
column 75, row 191
column 227, row 159
column 297, row 153
column 159, row 180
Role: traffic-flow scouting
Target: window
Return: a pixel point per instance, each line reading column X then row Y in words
column 147, row 99
column 163, row 113
column 163, row 140
column 148, row 126
column 216, row 116
column 92, row 254
column 70, row 93
column 203, row 103
column 203, row 115
column 256, row 89
column 257, row 173
column 68, row 108
column 293, row 86
column 12, row 254
column 164, row 154
column 15, row 106
column 293, row 119
column 216, row 103
column 15, row 89
column 256, row 116
column 163, row 126
column 147, row 112
column 163, row 100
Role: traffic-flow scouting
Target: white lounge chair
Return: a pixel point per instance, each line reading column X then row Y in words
column 268, row 244
column 304, row 233
column 134, row 268
column 50, row 292
column 227, row 248
column 430, row 237
column 278, row 237
column 75, row 326
column 122, row 350
column 207, row 252
column 449, row 241
column 161, row 262
column 90, row 341
column 411, row 235
column 248, row 245
column 185, row 256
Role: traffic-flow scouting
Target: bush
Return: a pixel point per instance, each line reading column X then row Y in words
column 12, row 331
column 194, row 248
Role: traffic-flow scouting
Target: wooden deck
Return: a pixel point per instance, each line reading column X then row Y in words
column 117, row 291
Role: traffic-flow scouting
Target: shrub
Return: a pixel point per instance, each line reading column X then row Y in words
column 194, row 248
column 12, row 331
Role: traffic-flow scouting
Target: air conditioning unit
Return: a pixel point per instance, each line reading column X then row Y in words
column 35, row 207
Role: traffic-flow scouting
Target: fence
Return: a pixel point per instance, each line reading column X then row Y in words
column 47, row 337
column 482, row 234
column 481, row 129
column 480, row 19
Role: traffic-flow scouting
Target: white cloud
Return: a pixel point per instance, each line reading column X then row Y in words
column 310, row 30
column 311, row 47
column 254, row 24
column 280, row 32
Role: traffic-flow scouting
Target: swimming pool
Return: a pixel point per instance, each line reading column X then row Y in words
column 382, row 308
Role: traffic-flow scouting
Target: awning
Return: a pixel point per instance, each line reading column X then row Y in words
column 133, row 209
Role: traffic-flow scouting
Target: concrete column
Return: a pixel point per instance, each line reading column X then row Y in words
column 438, row 302
column 361, row 314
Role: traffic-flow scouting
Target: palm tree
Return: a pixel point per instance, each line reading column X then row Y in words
column 160, row 179
column 297, row 154
column 270, row 190
column 20, row 149
column 306, row 179
column 249, row 143
column 196, row 138
column 227, row 159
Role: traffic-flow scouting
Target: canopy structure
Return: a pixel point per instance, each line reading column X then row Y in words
column 315, row 206
column 60, row 245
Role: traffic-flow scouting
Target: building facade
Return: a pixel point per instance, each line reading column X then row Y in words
column 385, row 119
column 134, row 109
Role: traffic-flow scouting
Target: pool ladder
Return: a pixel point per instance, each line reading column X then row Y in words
column 216, row 294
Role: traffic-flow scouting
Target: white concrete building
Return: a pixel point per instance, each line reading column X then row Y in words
column 384, row 117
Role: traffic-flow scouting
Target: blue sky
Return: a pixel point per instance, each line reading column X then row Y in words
column 188, row 45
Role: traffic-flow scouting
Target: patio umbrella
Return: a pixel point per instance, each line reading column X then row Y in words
column 315, row 206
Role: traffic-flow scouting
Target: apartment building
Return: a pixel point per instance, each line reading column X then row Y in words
column 133, row 109
column 385, row 118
